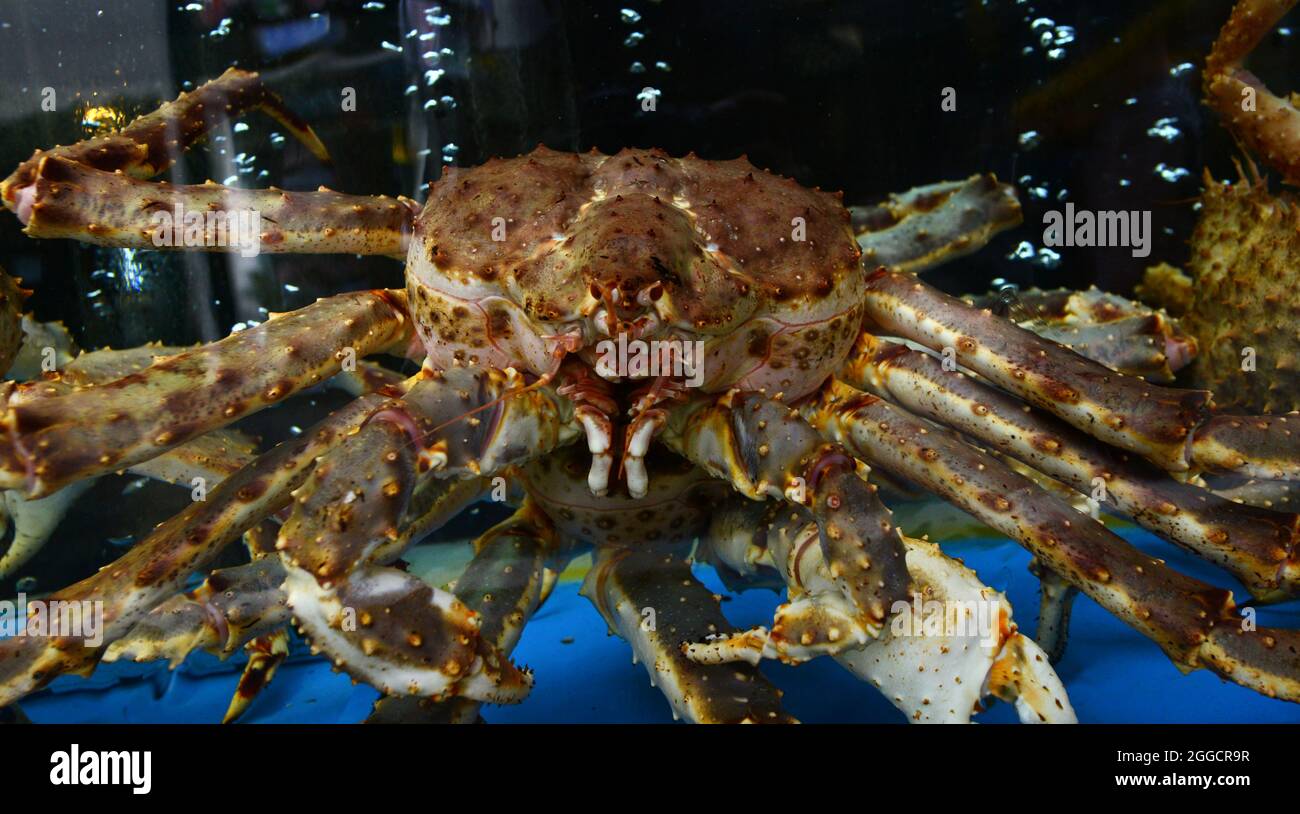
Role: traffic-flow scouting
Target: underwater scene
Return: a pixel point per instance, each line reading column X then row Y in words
column 727, row 361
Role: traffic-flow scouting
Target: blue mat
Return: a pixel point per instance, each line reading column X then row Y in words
column 1112, row 673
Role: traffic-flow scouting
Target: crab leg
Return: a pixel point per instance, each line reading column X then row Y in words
column 933, row 664
column 71, row 200
column 265, row 655
column 1132, row 414
column 234, row 606
column 1121, row 334
column 1257, row 546
column 764, row 450
column 505, row 583
column 209, row 457
column 1260, row 446
column 94, row 190
column 229, row 609
column 1194, row 623
column 56, row 437
column 381, row 625
column 923, row 227
column 1278, row 495
column 651, row 599
column 34, row 521
column 157, row 566
column 12, row 297
column 1166, row 426
column 1267, row 124
column 151, row 143
column 1056, row 600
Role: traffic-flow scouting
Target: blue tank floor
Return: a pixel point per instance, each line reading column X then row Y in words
column 1112, row 673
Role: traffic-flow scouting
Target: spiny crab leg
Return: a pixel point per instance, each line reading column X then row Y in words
column 765, row 450
column 209, row 457
column 229, row 609
column 12, row 298
column 508, row 579
column 1194, row 623
column 651, row 599
column 1257, row 546
column 929, row 225
column 934, row 667
column 1278, row 495
column 93, row 191
column 1166, row 426
column 1267, row 124
column 151, row 143
column 55, row 437
column 265, row 655
column 1056, row 601
column 71, row 200
column 381, row 625
column 1121, row 334
column 158, row 565
column 34, row 521
column 246, row 606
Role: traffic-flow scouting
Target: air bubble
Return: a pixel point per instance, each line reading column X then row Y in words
column 1171, row 174
column 1165, row 129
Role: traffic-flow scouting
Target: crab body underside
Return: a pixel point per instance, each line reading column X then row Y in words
column 775, row 395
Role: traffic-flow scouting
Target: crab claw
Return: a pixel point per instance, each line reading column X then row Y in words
column 378, row 624
column 402, row 636
column 381, row 625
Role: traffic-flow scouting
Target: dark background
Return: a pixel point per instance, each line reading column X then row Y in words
column 844, row 95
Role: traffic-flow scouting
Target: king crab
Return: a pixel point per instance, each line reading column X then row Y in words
column 515, row 272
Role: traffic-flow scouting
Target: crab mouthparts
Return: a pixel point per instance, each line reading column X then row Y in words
column 644, row 376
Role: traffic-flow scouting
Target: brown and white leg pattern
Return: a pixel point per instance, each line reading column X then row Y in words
column 55, row 437
column 765, row 450
column 649, row 596
column 929, row 225
column 1196, row 624
column 158, row 566
column 515, row 566
column 93, row 190
column 381, row 625
column 1171, row 428
column 1258, row 546
column 1121, row 334
column 947, row 648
